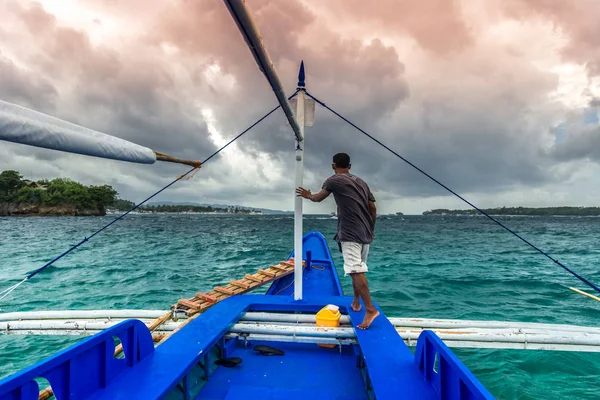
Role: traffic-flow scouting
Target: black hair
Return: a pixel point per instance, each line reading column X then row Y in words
column 341, row 160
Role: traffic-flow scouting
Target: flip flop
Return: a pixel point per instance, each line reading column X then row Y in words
column 268, row 351
column 229, row 362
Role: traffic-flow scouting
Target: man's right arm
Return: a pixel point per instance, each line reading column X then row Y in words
column 372, row 206
column 373, row 211
column 326, row 190
column 317, row 197
column 322, row 195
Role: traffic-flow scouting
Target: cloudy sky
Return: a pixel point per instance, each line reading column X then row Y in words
column 499, row 99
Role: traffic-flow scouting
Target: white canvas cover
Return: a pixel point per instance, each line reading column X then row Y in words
column 22, row 125
column 309, row 110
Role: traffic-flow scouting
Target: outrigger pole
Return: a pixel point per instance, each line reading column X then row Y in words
column 244, row 22
column 21, row 125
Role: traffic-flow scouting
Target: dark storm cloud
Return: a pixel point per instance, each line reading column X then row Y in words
column 583, row 143
column 470, row 154
column 129, row 94
column 17, row 87
column 473, row 116
column 481, row 133
column 578, row 19
column 436, row 25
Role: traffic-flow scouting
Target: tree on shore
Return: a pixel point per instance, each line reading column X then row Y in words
column 57, row 192
column 10, row 181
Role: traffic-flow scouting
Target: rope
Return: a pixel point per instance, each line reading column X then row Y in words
column 292, row 282
column 285, row 287
column 7, row 291
column 569, row 270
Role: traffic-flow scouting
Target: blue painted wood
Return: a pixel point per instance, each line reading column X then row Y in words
column 175, row 357
column 305, row 370
column 84, row 368
column 318, row 279
column 270, row 393
column 447, row 374
column 389, row 362
column 391, row 370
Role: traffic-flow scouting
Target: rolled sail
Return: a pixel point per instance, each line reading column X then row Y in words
column 22, row 125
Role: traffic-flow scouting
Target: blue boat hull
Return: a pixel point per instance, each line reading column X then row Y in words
column 377, row 366
column 319, row 277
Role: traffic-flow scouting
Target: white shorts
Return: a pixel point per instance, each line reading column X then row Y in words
column 355, row 257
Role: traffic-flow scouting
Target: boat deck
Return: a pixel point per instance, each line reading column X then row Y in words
column 385, row 360
column 306, row 371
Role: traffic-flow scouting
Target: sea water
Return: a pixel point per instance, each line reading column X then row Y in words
column 419, row 266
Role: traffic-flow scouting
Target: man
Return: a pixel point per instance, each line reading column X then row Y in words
column 356, row 213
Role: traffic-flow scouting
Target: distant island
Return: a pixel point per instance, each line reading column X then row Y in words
column 65, row 197
column 254, row 210
column 543, row 211
column 124, row 205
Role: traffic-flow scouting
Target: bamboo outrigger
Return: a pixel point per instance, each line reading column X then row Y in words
column 454, row 333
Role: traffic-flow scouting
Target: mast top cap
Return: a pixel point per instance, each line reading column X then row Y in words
column 301, row 75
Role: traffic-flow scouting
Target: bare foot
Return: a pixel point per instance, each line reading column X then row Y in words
column 369, row 317
column 356, row 307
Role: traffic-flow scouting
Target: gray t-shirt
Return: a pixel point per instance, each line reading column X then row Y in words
column 352, row 197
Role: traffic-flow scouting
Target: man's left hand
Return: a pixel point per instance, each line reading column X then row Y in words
column 303, row 193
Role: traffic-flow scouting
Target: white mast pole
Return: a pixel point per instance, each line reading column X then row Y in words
column 298, row 232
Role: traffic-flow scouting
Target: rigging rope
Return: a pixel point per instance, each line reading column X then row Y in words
column 569, row 270
column 10, row 289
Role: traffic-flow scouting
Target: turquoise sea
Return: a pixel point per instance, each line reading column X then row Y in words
column 434, row 267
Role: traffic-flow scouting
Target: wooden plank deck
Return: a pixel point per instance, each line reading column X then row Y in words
column 202, row 301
